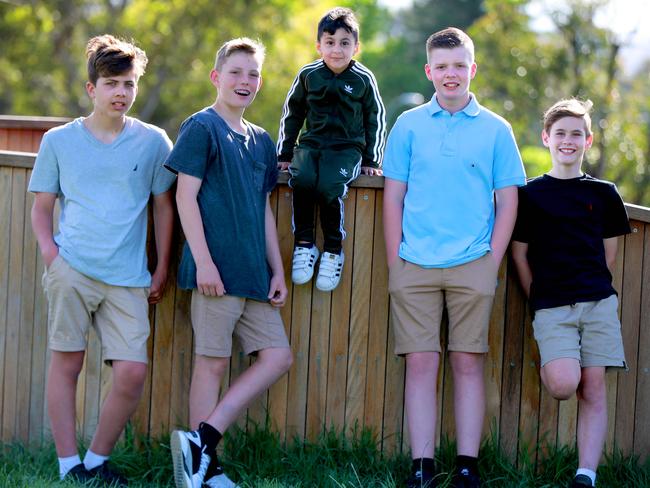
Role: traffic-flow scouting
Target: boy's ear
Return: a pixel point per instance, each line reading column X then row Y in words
column 589, row 141
column 214, row 77
column 472, row 71
column 545, row 138
column 90, row 90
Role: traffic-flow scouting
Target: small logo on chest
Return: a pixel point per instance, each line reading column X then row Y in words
column 343, row 171
column 348, row 88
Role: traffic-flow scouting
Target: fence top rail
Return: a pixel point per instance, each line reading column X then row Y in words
column 17, row 159
column 31, row 122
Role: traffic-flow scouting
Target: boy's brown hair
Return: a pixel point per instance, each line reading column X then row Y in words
column 570, row 107
column 241, row 44
column 338, row 18
column 109, row 56
column 450, row 38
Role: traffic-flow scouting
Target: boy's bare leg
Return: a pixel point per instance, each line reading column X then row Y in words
column 469, row 400
column 270, row 365
column 561, row 377
column 592, row 417
column 121, row 402
column 61, row 392
column 420, row 401
column 204, row 390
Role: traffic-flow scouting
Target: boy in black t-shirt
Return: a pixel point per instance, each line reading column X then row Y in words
column 564, row 247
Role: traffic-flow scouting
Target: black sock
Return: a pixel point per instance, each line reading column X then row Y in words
column 467, row 462
column 426, row 465
column 210, row 437
column 307, row 245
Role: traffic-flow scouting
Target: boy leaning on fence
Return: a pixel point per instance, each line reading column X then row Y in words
column 345, row 132
column 226, row 168
column 564, row 247
column 447, row 163
column 103, row 169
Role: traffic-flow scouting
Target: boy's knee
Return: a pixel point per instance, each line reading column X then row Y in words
column 301, row 180
column 561, row 388
column 421, row 364
column 285, row 360
column 129, row 377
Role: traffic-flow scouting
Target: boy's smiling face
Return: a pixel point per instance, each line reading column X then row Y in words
column 567, row 140
column 337, row 49
column 451, row 71
column 238, row 80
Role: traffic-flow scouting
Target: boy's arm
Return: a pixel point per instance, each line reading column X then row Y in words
column 43, row 225
column 611, row 246
column 163, row 221
column 504, row 221
column 293, row 117
column 520, row 257
column 394, row 192
column 374, row 121
column 278, row 289
column 208, row 280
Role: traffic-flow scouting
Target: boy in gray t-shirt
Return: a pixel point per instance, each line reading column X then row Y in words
column 103, row 169
column 226, row 168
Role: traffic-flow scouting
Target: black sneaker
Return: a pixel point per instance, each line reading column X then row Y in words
column 421, row 479
column 581, row 481
column 189, row 459
column 464, row 479
column 109, row 477
column 79, row 474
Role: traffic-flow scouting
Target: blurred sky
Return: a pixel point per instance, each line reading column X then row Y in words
column 629, row 19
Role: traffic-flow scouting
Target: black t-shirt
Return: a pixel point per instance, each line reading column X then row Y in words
column 564, row 223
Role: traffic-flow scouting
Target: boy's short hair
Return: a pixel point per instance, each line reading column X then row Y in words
column 339, row 18
column 450, row 38
column 109, row 56
column 570, row 107
column 241, row 44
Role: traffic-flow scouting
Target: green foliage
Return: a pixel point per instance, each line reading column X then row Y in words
column 537, row 160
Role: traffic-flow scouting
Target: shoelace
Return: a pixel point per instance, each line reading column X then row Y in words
column 203, row 465
column 302, row 255
column 329, row 267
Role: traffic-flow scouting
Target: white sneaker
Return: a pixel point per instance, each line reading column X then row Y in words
column 304, row 259
column 220, row 481
column 329, row 271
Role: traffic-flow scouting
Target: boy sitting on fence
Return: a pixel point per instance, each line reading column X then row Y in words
column 226, row 168
column 345, row 134
column 103, row 169
column 564, row 247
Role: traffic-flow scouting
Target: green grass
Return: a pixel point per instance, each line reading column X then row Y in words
column 260, row 460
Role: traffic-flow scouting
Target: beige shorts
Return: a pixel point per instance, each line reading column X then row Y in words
column 419, row 295
column 76, row 302
column 257, row 325
column 589, row 332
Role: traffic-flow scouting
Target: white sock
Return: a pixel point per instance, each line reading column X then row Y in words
column 588, row 472
column 92, row 460
column 67, row 463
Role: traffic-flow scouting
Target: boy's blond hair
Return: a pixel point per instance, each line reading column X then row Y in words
column 570, row 107
column 110, row 56
column 241, row 44
column 450, row 38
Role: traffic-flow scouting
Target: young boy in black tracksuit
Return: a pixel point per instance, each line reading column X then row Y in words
column 345, row 132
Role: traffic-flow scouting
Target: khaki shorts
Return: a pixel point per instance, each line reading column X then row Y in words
column 418, row 297
column 257, row 325
column 589, row 332
column 76, row 302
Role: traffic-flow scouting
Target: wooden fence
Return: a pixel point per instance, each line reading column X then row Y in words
column 344, row 373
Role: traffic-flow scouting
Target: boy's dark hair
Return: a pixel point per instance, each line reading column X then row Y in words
column 241, row 44
column 109, row 56
column 449, row 38
column 339, row 18
column 570, row 107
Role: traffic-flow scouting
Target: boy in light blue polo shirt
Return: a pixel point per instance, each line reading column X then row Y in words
column 446, row 163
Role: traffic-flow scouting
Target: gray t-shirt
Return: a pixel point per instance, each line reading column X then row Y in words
column 103, row 190
column 237, row 173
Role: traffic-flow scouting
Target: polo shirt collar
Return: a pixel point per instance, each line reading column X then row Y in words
column 472, row 109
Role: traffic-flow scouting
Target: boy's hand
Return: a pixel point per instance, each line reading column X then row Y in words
column 158, row 282
column 50, row 255
column 283, row 165
column 367, row 170
column 208, row 281
column 278, row 291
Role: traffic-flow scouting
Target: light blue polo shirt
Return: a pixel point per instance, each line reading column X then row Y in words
column 103, row 190
column 451, row 164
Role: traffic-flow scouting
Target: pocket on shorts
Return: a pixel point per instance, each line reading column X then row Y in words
column 54, row 264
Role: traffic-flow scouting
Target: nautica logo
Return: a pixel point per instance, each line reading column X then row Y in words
column 348, row 88
column 343, row 171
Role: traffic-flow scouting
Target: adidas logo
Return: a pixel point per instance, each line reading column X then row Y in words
column 348, row 88
column 343, row 171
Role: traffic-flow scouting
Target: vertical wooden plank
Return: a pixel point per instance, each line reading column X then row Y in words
column 530, row 393
column 28, row 275
column 378, row 330
column 278, row 391
column 337, row 375
column 14, row 301
column 360, row 314
column 512, row 368
column 394, row 395
column 630, row 319
column 182, row 356
column 567, row 421
column 642, row 414
column 446, row 418
column 5, row 223
column 39, row 356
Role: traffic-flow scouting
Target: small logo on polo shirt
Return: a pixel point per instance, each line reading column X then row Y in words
column 135, row 168
column 348, row 88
